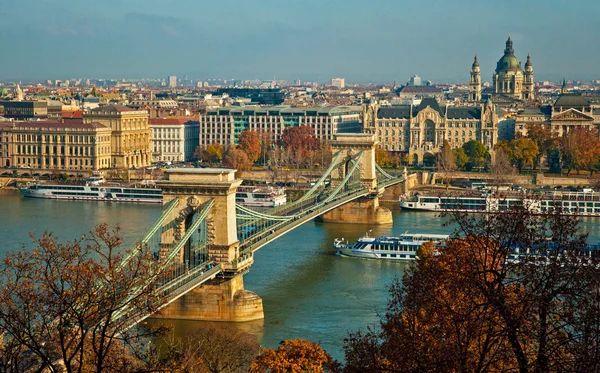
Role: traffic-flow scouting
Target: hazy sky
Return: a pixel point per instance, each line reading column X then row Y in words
column 368, row 40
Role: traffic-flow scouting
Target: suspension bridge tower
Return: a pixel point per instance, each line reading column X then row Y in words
column 223, row 298
column 364, row 210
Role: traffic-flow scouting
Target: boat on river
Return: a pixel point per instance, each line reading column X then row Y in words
column 401, row 248
column 87, row 192
column 576, row 203
column 260, row 196
column 405, row 247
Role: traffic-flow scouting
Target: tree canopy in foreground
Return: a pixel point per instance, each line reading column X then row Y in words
column 465, row 308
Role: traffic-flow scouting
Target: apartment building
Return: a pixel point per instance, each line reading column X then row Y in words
column 224, row 125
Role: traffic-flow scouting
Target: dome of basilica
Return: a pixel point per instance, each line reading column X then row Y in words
column 508, row 62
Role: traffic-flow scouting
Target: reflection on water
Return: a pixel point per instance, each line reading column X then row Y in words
column 307, row 291
column 67, row 219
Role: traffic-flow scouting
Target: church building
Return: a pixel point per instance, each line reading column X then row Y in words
column 510, row 81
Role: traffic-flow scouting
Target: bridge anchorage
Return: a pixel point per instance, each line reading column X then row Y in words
column 208, row 241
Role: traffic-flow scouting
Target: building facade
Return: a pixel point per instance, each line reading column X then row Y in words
column 131, row 135
column 23, row 110
column 569, row 111
column 174, row 139
column 338, row 83
column 55, row 145
column 419, row 130
column 224, row 125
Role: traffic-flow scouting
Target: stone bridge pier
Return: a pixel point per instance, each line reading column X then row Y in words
column 224, row 298
column 365, row 210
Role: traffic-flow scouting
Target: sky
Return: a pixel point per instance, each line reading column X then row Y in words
column 312, row 40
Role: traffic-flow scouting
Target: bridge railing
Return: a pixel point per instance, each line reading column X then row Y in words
column 248, row 246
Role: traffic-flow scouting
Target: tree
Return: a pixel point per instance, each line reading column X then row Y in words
column 382, row 157
column 249, row 143
column 544, row 138
column 525, row 152
column 212, row 153
column 522, row 152
column 294, row 356
column 300, row 141
column 460, row 158
column 502, row 168
column 446, row 162
column 66, row 307
column 476, row 152
column 465, row 307
column 580, row 150
column 212, row 348
column 236, row 159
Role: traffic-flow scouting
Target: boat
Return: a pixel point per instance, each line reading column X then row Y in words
column 260, row 196
column 405, row 247
column 109, row 193
column 400, row 248
column 577, row 203
column 94, row 180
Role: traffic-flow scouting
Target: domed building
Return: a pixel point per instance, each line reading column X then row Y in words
column 509, row 79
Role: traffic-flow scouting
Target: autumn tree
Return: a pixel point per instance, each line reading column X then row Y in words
column 299, row 141
column 476, row 152
column 466, row 307
column 212, row 348
column 249, row 143
column 294, row 356
column 580, row 150
column 212, row 153
column 382, row 157
column 68, row 306
column 522, row 152
column 236, row 159
column 546, row 141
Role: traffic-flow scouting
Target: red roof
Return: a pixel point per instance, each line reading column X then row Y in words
column 172, row 121
column 72, row 114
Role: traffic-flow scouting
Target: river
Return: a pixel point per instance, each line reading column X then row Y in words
column 307, row 291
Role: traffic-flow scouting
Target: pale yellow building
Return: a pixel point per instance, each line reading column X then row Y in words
column 131, row 135
column 55, row 145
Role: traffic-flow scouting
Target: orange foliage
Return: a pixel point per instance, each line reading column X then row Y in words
column 293, row 356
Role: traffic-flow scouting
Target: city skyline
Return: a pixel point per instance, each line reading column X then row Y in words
column 307, row 40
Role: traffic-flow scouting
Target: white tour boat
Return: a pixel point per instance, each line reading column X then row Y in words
column 576, row 203
column 260, row 196
column 93, row 193
column 400, row 248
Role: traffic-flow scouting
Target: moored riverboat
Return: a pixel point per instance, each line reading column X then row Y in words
column 401, row 248
column 260, row 196
column 576, row 203
column 87, row 192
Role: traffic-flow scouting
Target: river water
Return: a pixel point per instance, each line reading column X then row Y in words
column 307, row 291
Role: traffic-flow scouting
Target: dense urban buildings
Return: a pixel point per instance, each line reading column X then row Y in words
column 55, row 145
column 422, row 129
column 131, row 136
column 223, row 125
column 174, row 139
column 569, row 111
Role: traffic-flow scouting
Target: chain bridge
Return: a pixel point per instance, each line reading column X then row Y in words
column 208, row 241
